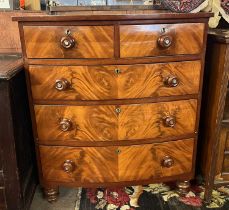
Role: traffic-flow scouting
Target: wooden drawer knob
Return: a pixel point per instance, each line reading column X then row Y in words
column 67, row 42
column 65, row 125
column 167, row 162
column 165, row 41
column 69, row 166
column 170, row 121
column 62, row 84
column 171, row 81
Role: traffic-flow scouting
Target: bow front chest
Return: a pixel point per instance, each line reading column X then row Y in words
column 115, row 97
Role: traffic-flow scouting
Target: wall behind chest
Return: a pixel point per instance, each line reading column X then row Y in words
column 9, row 39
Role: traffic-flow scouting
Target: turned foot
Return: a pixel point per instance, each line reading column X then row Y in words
column 51, row 194
column 183, row 187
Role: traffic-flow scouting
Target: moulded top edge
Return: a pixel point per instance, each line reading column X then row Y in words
column 104, row 15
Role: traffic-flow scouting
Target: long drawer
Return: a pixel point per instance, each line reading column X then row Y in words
column 115, row 164
column 111, row 123
column 161, row 40
column 69, row 41
column 114, row 82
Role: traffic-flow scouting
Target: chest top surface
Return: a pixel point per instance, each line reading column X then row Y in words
column 114, row 15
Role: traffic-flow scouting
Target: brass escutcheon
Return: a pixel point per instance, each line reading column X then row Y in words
column 68, row 32
column 118, row 71
column 118, row 110
column 117, row 151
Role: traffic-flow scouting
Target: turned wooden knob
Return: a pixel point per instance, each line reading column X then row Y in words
column 165, row 41
column 67, row 42
column 171, row 81
column 62, row 84
column 170, row 121
column 69, row 166
column 167, row 162
column 65, row 125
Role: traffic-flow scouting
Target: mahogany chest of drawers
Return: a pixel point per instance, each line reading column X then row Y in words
column 115, row 98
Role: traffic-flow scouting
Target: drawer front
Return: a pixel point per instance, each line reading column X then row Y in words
column 114, row 164
column 111, row 123
column 159, row 40
column 82, row 41
column 114, row 82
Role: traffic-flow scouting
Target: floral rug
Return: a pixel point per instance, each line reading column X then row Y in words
column 151, row 197
column 183, row 5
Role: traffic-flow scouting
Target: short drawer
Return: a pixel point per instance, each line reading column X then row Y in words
column 69, row 41
column 161, row 40
column 115, row 164
column 114, row 82
column 61, row 124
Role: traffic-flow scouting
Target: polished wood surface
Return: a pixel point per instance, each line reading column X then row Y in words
column 90, row 41
column 111, row 123
column 115, row 164
column 213, row 129
column 114, row 81
column 117, row 113
column 143, row 40
column 150, row 15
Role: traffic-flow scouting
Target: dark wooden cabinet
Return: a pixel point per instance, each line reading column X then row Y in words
column 214, row 129
column 17, row 164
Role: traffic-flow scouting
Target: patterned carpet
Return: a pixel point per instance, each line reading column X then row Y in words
column 150, row 197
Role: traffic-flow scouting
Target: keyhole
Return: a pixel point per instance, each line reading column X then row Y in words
column 68, row 32
column 117, row 71
column 117, row 151
column 163, row 30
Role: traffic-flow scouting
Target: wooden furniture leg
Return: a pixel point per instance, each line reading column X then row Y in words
column 51, row 194
column 183, row 187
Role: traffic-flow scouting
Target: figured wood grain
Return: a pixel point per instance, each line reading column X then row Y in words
column 91, row 41
column 147, row 121
column 102, row 83
column 95, row 122
column 104, row 164
column 102, row 123
column 93, row 164
column 142, row 40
